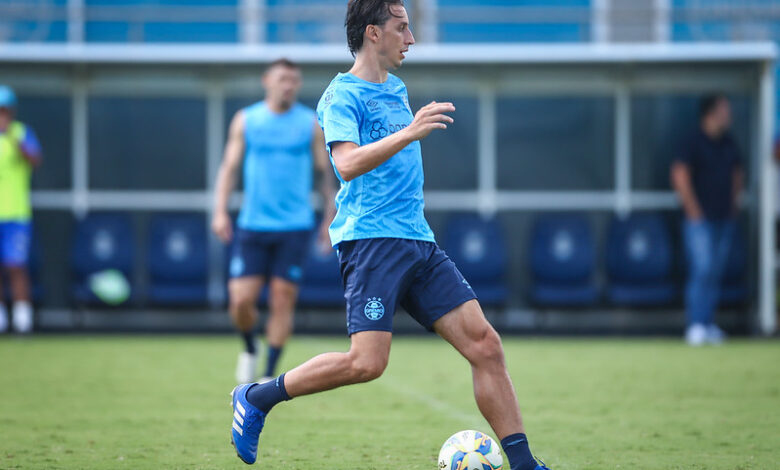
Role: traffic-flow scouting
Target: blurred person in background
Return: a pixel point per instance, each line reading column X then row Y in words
column 708, row 178
column 20, row 153
column 278, row 141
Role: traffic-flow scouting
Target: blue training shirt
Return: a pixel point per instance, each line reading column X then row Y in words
column 277, row 169
column 386, row 202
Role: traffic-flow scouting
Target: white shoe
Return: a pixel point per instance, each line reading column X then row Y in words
column 22, row 317
column 246, row 369
column 266, row 379
column 696, row 334
column 715, row 335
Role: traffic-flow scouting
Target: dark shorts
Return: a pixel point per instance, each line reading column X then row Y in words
column 381, row 273
column 269, row 254
column 14, row 243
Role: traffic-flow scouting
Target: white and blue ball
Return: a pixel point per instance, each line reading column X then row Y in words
column 470, row 450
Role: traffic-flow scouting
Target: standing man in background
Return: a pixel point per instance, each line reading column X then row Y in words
column 708, row 178
column 278, row 141
column 20, row 152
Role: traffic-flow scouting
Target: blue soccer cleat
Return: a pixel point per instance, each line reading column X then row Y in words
column 540, row 465
column 248, row 422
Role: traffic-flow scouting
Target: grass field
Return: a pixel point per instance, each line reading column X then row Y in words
column 162, row 402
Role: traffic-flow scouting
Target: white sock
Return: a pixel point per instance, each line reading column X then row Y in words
column 22, row 316
column 3, row 317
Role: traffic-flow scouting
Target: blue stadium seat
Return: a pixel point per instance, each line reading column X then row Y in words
column 639, row 261
column 177, row 259
column 562, row 257
column 101, row 241
column 477, row 247
column 734, row 290
column 321, row 285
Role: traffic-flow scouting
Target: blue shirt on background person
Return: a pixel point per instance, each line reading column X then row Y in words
column 277, row 169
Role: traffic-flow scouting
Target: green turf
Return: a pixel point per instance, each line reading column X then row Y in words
column 162, row 402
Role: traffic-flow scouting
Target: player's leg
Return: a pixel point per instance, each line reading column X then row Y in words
column 278, row 328
column 442, row 300
column 15, row 256
column 243, row 293
column 467, row 329
column 376, row 272
column 471, row 334
column 286, row 272
column 365, row 361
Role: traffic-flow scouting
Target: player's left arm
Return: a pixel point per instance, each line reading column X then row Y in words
column 31, row 148
column 326, row 184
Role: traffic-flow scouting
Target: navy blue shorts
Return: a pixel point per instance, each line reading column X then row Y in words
column 269, row 254
column 381, row 273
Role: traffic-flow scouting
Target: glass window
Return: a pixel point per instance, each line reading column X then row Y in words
column 147, row 143
column 49, row 117
column 659, row 127
column 450, row 156
column 555, row 143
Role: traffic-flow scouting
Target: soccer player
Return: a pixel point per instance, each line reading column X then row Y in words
column 386, row 250
column 20, row 152
column 279, row 142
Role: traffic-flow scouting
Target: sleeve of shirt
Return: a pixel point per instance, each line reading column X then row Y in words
column 341, row 119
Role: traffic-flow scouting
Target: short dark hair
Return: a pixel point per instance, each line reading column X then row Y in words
column 283, row 62
column 360, row 14
column 709, row 102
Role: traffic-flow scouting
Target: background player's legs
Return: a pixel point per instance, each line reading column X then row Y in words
column 243, row 293
column 3, row 312
column 366, row 360
column 283, row 295
column 467, row 329
column 22, row 313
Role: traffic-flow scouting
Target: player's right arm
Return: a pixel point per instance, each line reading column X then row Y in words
column 226, row 178
column 681, row 181
column 352, row 160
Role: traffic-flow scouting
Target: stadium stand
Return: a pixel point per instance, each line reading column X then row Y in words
column 101, row 241
column 639, row 261
column 562, row 256
column 177, row 260
column 477, row 247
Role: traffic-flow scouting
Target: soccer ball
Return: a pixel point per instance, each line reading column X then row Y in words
column 470, row 450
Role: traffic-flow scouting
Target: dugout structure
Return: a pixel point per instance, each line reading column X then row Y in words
column 612, row 87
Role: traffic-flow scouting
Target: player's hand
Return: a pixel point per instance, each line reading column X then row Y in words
column 430, row 117
column 222, row 226
column 323, row 240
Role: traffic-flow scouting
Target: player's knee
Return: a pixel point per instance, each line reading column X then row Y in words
column 282, row 299
column 488, row 348
column 241, row 301
column 366, row 369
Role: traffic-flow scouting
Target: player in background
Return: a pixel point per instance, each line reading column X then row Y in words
column 20, row 153
column 386, row 249
column 278, row 141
